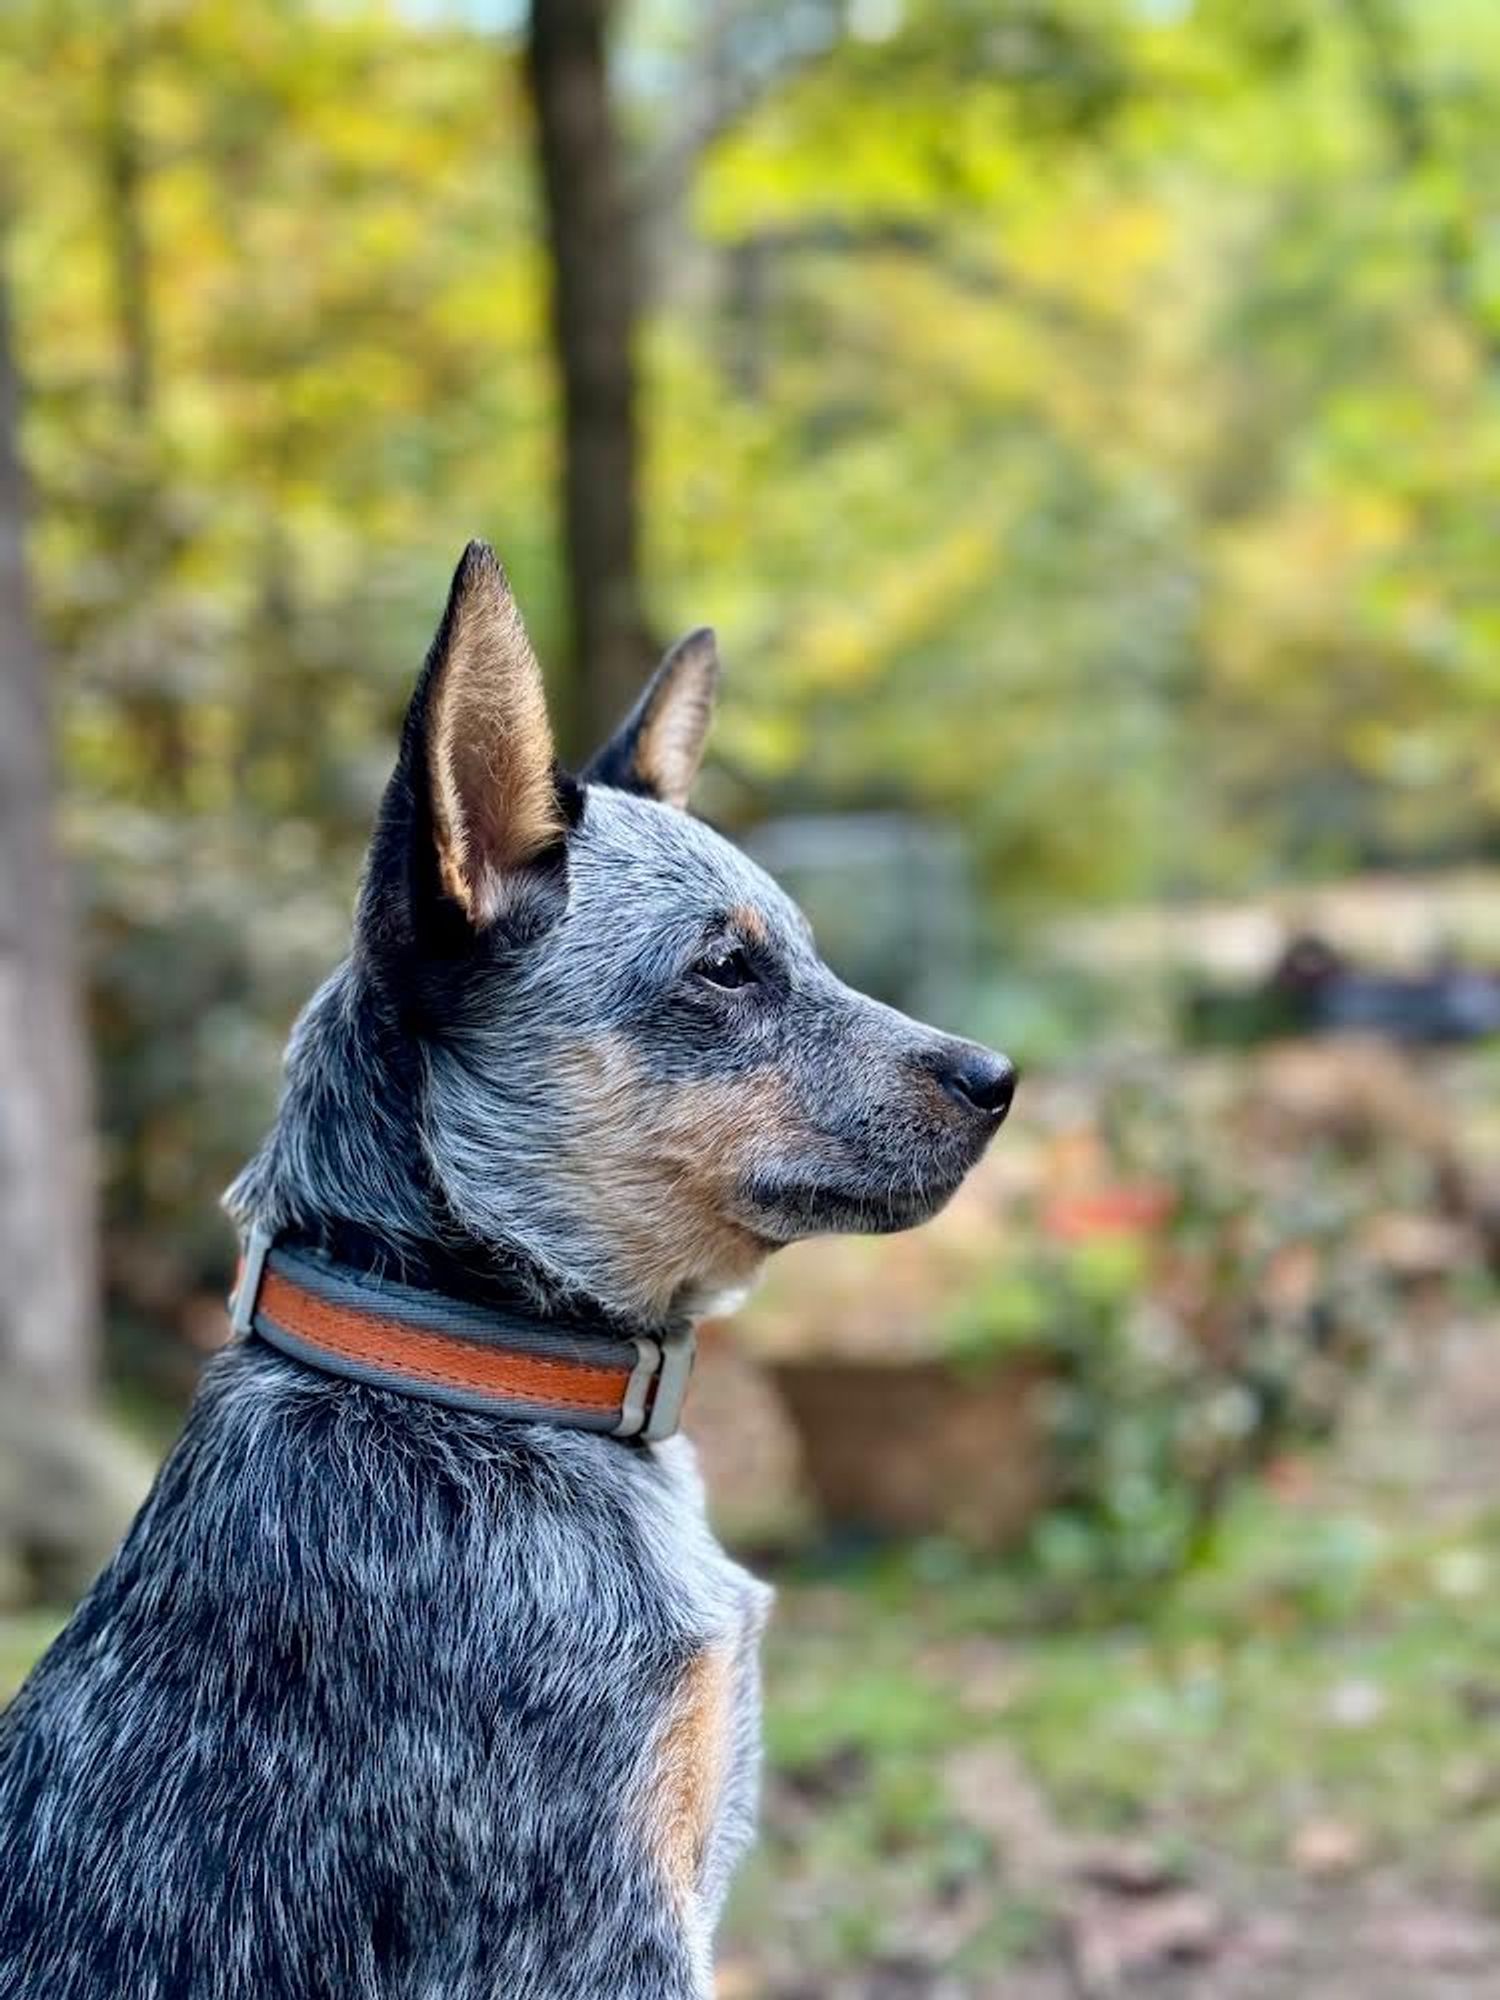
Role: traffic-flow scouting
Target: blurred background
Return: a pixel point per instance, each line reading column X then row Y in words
column 1081, row 419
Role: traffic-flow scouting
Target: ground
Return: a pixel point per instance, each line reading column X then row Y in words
column 1285, row 1782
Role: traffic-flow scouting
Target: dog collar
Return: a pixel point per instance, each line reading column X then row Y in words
column 446, row 1350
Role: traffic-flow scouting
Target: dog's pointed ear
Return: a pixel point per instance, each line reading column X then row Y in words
column 490, row 765
column 477, row 813
column 658, row 747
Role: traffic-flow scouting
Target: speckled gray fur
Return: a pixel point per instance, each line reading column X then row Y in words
column 359, row 1710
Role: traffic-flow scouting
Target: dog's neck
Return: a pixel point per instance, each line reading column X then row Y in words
column 463, row 1268
column 396, row 1291
column 343, row 1171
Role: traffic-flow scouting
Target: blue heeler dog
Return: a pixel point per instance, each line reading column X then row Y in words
column 420, row 1675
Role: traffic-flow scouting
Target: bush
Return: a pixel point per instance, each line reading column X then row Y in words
column 1208, row 1286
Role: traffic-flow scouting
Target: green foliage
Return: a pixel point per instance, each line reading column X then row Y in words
column 1244, row 1661
column 1079, row 417
column 1325, row 1662
column 1207, row 1302
column 1163, row 394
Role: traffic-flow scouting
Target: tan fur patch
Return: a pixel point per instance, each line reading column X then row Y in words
column 660, row 1163
column 686, row 1783
column 746, row 919
column 490, row 746
column 672, row 732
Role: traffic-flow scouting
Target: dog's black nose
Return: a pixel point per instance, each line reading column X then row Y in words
column 980, row 1080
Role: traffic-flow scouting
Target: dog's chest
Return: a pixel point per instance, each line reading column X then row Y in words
column 495, row 1692
column 700, row 1772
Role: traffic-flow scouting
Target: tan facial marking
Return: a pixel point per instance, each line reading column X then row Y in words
column 749, row 922
column 689, row 1763
column 659, row 1164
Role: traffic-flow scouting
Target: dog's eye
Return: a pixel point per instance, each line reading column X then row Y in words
column 728, row 969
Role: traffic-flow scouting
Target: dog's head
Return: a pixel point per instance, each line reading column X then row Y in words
column 635, row 1068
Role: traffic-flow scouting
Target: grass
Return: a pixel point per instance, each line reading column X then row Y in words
column 1321, row 1667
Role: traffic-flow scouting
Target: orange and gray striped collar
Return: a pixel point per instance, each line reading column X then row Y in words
column 446, row 1350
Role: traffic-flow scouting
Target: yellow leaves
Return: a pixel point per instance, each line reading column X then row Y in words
column 1281, row 579
column 845, row 646
column 1447, row 357
column 770, row 742
column 1391, row 749
column 501, row 299
column 1119, row 412
column 846, row 152
column 1096, row 248
column 1295, row 577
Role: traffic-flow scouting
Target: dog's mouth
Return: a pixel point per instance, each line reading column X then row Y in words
column 780, row 1208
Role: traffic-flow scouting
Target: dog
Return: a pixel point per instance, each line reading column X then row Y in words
column 420, row 1675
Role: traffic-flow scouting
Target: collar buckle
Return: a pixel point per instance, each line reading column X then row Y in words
column 668, row 1363
column 246, row 1291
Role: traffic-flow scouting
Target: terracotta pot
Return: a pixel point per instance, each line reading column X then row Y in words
column 922, row 1447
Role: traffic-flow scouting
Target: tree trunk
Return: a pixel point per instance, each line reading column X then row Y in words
column 48, row 1341
column 595, row 298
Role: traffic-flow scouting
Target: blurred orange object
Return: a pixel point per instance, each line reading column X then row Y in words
column 1129, row 1209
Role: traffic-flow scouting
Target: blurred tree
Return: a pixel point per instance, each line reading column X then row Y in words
column 595, row 296
column 47, row 1216
column 68, row 1484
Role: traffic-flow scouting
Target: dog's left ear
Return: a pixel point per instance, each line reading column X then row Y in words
column 475, row 820
column 658, row 747
column 496, row 809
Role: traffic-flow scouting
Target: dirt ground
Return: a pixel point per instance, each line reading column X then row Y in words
column 966, row 1812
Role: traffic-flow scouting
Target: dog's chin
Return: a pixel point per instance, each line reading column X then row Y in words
column 782, row 1209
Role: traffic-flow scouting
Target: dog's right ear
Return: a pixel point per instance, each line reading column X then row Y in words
column 657, row 748
column 476, row 817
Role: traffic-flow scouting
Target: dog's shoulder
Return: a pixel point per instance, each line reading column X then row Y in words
column 690, row 1805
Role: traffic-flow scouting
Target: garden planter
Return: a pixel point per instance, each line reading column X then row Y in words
column 923, row 1447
